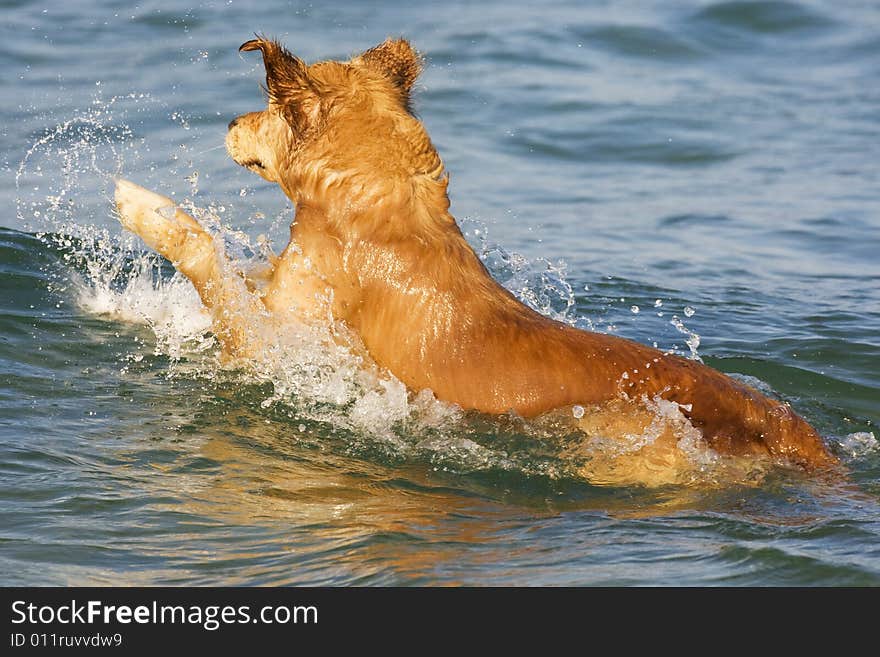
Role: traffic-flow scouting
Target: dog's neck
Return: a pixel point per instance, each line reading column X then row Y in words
column 402, row 237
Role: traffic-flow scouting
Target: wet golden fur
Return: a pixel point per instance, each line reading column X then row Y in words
column 374, row 246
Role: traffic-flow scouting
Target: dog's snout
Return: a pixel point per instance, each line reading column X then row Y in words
column 234, row 122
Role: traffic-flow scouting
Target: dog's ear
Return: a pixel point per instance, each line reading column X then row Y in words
column 395, row 59
column 287, row 81
column 287, row 76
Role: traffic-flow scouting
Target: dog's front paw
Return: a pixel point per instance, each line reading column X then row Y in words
column 136, row 205
column 159, row 222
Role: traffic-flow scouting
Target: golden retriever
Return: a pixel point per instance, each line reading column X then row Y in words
column 374, row 246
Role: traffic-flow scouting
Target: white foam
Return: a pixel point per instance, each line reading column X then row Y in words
column 171, row 307
column 859, row 444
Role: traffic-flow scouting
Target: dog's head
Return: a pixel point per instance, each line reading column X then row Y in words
column 335, row 127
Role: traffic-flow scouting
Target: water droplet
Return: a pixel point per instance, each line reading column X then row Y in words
column 634, row 310
column 688, row 311
column 193, row 180
column 693, row 339
column 658, row 303
column 577, row 411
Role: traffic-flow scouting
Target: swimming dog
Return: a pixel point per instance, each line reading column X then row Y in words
column 374, row 246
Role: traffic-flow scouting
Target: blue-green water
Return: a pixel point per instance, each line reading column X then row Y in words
column 620, row 163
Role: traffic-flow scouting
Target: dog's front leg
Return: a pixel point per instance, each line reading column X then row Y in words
column 178, row 237
column 296, row 290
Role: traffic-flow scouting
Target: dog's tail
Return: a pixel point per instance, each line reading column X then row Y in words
column 736, row 418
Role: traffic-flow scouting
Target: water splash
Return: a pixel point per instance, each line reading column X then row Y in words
column 692, row 339
column 75, row 160
column 540, row 284
column 859, row 445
